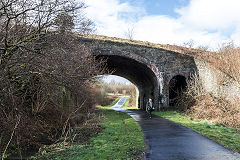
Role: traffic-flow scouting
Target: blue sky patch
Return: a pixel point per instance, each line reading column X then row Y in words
column 158, row 7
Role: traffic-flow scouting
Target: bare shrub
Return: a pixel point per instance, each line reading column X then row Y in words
column 119, row 88
column 48, row 92
column 129, row 34
column 228, row 61
column 194, row 91
column 64, row 22
column 199, row 104
column 102, row 96
column 133, row 98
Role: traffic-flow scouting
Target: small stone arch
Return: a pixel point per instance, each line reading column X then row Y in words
column 177, row 85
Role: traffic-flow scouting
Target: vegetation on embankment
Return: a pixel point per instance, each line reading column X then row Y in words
column 221, row 106
column 121, row 138
column 226, row 136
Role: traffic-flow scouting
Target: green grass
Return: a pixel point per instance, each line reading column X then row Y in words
column 126, row 105
column 113, row 103
column 121, row 138
column 228, row 137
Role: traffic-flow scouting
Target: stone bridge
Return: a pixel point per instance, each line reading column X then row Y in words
column 158, row 71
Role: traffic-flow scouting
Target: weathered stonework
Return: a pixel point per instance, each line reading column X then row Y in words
column 216, row 82
column 149, row 67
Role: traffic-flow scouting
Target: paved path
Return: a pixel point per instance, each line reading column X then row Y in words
column 119, row 104
column 170, row 141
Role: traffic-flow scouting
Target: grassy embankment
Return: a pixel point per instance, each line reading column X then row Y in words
column 121, row 138
column 226, row 136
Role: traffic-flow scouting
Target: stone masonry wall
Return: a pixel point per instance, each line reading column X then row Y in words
column 216, row 82
column 165, row 64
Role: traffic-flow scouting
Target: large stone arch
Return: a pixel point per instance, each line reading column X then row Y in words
column 136, row 69
column 159, row 61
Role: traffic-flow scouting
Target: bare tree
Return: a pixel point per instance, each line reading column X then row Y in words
column 64, row 22
column 44, row 75
column 129, row 34
column 189, row 43
column 23, row 22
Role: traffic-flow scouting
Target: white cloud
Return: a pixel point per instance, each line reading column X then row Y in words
column 110, row 16
column 162, row 29
column 207, row 22
column 211, row 14
column 115, row 79
column 157, row 29
column 236, row 36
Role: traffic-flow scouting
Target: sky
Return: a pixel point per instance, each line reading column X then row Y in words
column 205, row 23
column 116, row 79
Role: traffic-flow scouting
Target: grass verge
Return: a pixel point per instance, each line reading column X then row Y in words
column 121, row 138
column 113, row 103
column 226, row 136
column 126, row 105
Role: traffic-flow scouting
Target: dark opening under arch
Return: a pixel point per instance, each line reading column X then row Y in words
column 177, row 85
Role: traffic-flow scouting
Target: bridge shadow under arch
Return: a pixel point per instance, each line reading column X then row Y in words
column 136, row 72
column 177, row 86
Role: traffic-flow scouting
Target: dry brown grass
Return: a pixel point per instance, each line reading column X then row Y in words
column 219, row 111
column 199, row 104
column 228, row 61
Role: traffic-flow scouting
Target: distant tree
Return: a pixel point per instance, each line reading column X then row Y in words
column 203, row 47
column 64, row 22
column 129, row 33
column 85, row 25
column 189, row 43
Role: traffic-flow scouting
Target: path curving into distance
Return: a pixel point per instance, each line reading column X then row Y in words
column 119, row 104
column 168, row 140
